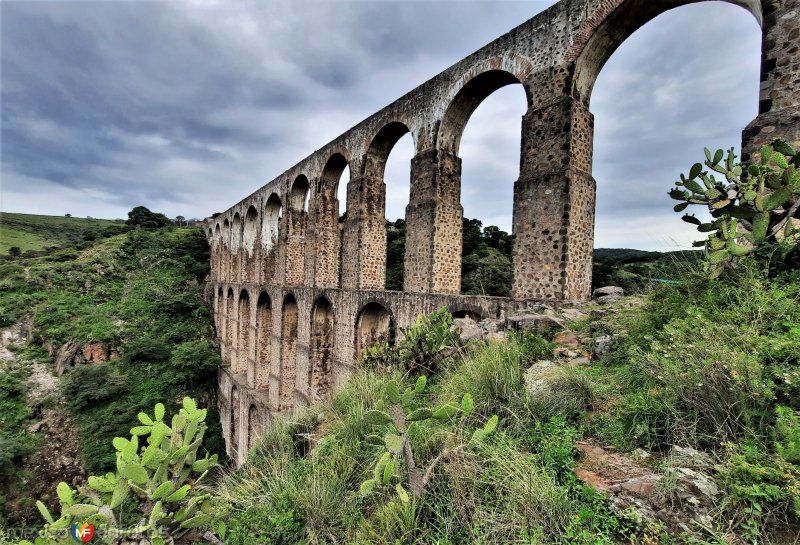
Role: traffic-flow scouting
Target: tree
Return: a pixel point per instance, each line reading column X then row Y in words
column 14, row 251
column 180, row 220
column 143, row 217
column 67, row 215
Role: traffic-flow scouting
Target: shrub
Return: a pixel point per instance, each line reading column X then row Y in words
column 86, row 386
column 754, row 207
column 161, row 479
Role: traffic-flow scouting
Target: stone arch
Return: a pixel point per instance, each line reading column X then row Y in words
column 320, row 370
column 374, row 324
column 243, row 338
column 611, row 24
column 263, row 358
column 255, row 426
column 270, row 226
column 250, row 229
column 326, row 223
column 234, row 426
column 381, row 146
column 365, row 229
column 236, row 232
column 296, row 221
column 299, row 194
column 288, row 360
column 226, row 232
column 474, row 88
column 228, row 322
column 473, row 312
column 218, row 310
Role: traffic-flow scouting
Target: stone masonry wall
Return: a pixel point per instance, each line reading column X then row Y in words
column 296, row 292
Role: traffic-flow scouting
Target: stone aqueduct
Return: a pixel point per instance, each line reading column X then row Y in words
column 297, row 299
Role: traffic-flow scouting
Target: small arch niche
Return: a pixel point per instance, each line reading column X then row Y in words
column 299, row 194
column 373, row 325
column 270, row 227
column 250, row 232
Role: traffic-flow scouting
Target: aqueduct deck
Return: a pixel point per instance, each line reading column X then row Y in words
column 297, row 299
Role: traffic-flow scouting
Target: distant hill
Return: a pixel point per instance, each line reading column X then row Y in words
column 634, row 269
column 33, row 233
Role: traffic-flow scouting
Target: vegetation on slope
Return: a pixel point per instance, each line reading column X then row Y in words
column 34, row 233
column 140, row 295
column 707, row 364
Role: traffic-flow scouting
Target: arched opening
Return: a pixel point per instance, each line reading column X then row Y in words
column 218, row 309
column 236, row 233
column 271, row 224
column 300, row 194
column 236, row 246
column 385, row 196
column 296, row 231
column 263, row 340
column 228, row 321
column 225, row 252
column 652, row 124
column 288, row 351
column 234, row 422
column 250, row 232
column 331, row 190
column 374, row 324
column 255, row 426
column 320, row 372
column 483, row 126
column 243, row 344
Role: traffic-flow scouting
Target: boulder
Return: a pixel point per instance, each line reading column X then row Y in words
column 539, row 323
column 602, row 346
column 541, row 376
column 689, row 457
column 66, row 357
column 566, row 339
column 608, row 290
column 470, row 330
column 573, row 314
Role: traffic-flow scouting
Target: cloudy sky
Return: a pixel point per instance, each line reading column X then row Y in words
column 186, row 107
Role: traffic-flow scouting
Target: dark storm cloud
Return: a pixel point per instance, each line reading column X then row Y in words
column 187, row 107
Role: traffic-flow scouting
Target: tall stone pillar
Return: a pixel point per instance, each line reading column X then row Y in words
column 433, row 224
column 364, row 244
column 322, row 256
column 295, row 247
column 554, row 203
column 779, row 97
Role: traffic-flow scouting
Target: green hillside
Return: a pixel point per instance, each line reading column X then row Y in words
column 134, row 303
column 33, row 233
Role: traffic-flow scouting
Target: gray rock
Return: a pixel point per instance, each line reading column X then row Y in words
column 608, row 290
column 607, row 299
column 534, row 322
column 689, row 457
column 470, row 330
column 602, row 346
column 541, row 376
column 573, row 314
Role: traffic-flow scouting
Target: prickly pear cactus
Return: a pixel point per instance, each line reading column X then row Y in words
column 396, row 421
column 754, row 207
column 158, row 470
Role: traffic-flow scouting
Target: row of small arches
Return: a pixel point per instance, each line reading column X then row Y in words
column 250, row 341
